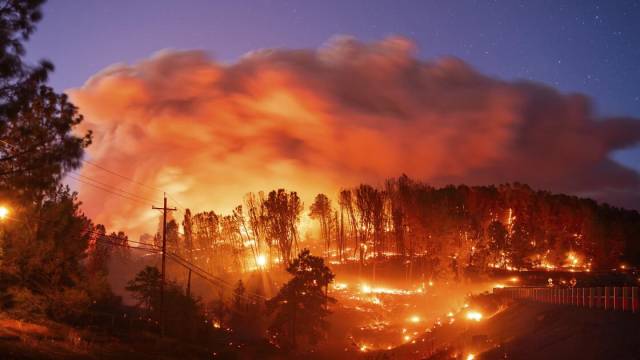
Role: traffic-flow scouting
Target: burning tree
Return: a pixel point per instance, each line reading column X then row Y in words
column 300, row 306
column 321, row 210
column 282, row 213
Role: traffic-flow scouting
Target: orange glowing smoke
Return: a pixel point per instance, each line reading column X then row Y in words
column 318, row 120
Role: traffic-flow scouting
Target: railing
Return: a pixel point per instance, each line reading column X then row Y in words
column 614, row 298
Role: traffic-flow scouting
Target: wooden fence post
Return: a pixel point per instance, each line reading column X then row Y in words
column 607, row 304
column 625, row 295
column 634, row 299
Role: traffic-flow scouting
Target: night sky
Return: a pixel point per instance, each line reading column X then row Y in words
column 592, row 47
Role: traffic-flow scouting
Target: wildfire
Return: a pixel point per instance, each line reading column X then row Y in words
column 261, row 261
column 573, row 260
column 4, row 212
column 415, row 319
column 367, row 289
column 340, row 286
column 471, row 357
column 474, row 315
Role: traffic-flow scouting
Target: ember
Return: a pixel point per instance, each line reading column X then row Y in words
column 474, row 315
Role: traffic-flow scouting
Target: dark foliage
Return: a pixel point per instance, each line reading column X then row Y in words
column 300, row 306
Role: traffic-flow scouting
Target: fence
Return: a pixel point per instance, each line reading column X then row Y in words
column 614, row 298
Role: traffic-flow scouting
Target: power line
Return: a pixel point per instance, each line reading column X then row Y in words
column 13, row 147
column 136, row 198
column 109, row 191
column 109, row 186
column 116, row 241
column 121, row 176
column 213, row 279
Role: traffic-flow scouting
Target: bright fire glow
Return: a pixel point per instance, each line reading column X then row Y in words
column 261, row 260
column 471, row 357
column 474, row 315
column 4, row 212
column 365, row 288
column 340, row 286
column 573, row 260
column 415, row 319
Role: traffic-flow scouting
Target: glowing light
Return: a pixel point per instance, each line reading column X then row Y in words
column 415, row 319
column 450, row 314
column 471, row 357
column 365, row 288
column 514, row 279
column 4, row 212
column 340, row 286
column 474, row 315
column 430, row 283
column 407, row 338
column 498, row 286
column 572, row 260
column 261, row 260
column 363, row 348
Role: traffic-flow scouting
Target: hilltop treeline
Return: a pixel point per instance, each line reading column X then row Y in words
column 473, row 227
column 452, row 229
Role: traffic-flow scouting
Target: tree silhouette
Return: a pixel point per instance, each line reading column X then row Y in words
column 146, row 287
column 321, row 210
column 282, row 213
column 300, row 305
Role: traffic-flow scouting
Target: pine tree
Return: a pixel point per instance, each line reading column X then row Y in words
column 300, row 306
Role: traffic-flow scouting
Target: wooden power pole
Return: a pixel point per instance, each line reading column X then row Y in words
column 164, row 209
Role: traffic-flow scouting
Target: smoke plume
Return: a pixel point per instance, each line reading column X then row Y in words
column 317, row 120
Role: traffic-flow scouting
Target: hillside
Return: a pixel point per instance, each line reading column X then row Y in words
column 528, row 331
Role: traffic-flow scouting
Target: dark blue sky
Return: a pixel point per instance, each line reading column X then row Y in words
column 592, row 47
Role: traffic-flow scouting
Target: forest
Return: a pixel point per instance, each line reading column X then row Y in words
column 455, row 230
column 55, row 261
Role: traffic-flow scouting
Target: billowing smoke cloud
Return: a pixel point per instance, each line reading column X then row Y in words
column 317, row 120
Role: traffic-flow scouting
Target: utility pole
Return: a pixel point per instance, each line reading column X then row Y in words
column 164, row 253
